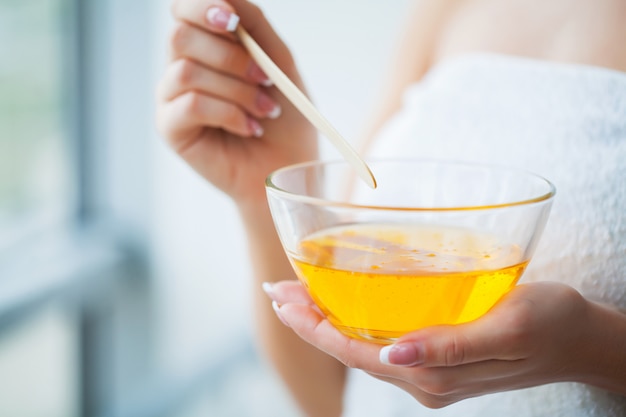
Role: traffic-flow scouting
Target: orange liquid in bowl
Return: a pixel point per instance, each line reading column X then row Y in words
column 380, row 281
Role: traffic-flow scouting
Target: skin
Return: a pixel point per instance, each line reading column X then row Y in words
column 211, row 102
column 537, row 334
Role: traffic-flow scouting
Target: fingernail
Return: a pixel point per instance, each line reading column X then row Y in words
column 256, row 73
column 268, row 106
column 255, row 128
column 276, row 308
column 269, row 289
column 402, row 354
column 222, row 19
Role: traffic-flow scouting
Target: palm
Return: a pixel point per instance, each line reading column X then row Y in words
column 238, row 166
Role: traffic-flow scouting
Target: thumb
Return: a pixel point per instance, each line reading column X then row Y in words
column 476, row 341
column 435, row 346
column 215, row 15
column 262, row 31
column 507, row 332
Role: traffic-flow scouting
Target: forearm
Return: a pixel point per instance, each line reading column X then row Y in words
column 315, row 379
column 604, row 364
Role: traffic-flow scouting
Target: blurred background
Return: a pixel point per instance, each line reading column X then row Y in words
column 124, row 282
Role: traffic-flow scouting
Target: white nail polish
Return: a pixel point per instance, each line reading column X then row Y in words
column 267, row 287
column 383, row 355
column 267, row 83
column 233, row 21
column 255, row 128
column 223, row 19
column 276, row 111
column 276, row 308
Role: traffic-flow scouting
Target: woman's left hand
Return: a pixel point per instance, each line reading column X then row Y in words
column 538, row 333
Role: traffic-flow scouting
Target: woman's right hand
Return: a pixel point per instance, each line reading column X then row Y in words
column 214, row 105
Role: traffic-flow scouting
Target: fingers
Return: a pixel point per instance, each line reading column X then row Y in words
column 212, row 82
column 192, row 97
column 181, row 120
column 318, row 331
column 215, row 52
column 220, row 17
column 214, row 15
column 185, row 75
column 297, row 310
column 289, row 291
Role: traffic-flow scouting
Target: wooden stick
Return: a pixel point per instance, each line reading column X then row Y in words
column 304, row 105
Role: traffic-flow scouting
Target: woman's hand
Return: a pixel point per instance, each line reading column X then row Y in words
column 538, row 333
column 214, row 103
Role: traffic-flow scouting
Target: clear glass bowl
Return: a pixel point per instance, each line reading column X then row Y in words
column 436, row 243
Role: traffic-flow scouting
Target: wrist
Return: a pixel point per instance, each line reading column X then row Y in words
column 265, row 249
column 604, row 364
column 255, row 214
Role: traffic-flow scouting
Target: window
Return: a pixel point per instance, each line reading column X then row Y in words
column 37, row 349
column 66, row 270
column 35, row 190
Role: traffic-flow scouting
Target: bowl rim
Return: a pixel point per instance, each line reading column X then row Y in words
column 271, row 187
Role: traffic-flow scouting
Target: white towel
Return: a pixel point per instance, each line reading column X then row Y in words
column 565, row 122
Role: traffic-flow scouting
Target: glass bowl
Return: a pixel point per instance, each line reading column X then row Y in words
column 438, row 242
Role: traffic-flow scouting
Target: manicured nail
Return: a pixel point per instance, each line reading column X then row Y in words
column 256, row 73
column 222, row 19
column 276, row 308
column 268, row 106
column 402, row 354
column 276, row 111
column 255, row 128
column 269, row 289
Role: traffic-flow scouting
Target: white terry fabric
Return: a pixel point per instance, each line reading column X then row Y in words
column 565, row 122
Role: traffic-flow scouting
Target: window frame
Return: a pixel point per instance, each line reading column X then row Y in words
column 90, row 261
